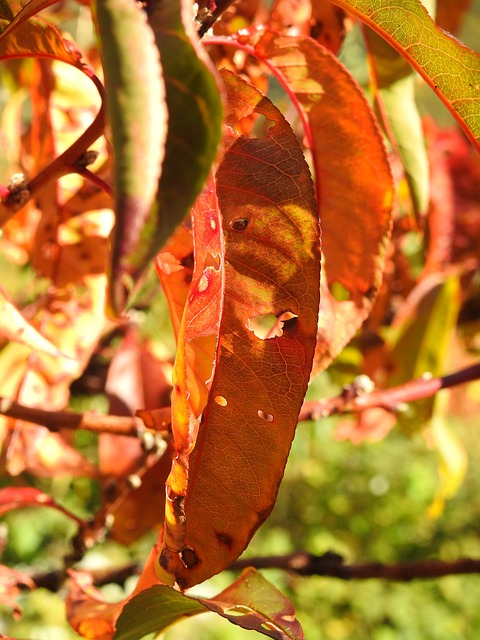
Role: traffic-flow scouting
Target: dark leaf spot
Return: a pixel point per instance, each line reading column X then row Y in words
column 240, row 224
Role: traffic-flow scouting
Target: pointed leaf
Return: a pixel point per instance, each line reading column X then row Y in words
column 272, row 266
column 194, row 124
column 138, row 117
column 451, row 69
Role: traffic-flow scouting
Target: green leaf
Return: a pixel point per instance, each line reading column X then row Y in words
column 251, row 602
column 153, row 610
column 138, row 118
column 396, row 82
column 422, row 343
column 451, row 69
column 452, row 456
column 194, row 125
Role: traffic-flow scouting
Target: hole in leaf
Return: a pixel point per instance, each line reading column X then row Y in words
column 189, row 557
column 269, row 626
column 268, row 325
column 255, row 125
column 203, row 283
column 238, row 610
column 339, row 292
column 221, row 401
column 265, row 416
column 240, row 224
column 288, row 618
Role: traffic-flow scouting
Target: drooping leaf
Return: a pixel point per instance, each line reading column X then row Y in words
column 138, row 117
column 271, row 266
column 194, row 125
column 251, row 602
column 352, row 173
column 449, row 68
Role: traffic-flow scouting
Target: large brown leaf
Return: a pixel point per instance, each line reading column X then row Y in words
column 271, row 274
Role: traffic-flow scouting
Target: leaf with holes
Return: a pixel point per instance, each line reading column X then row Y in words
column 138, row 116
column 352, row 174
column 271, row 265
column 449, row 68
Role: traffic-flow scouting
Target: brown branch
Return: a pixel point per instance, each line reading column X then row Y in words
column 70, row 161
column 301, row 563
column 354, row 399
column 209, row 12
column 90, row 421
column 331, row 565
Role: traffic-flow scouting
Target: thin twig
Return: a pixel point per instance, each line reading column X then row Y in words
column 355, row 400
column 332, row 565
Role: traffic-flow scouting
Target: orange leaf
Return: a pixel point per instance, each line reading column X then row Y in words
column 353, row 179
column 271, row 266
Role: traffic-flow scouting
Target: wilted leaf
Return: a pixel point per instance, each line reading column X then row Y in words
column 271, row 266
column 450, row 68
column 138, row 118
column 352, row 174
column 194, row 124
